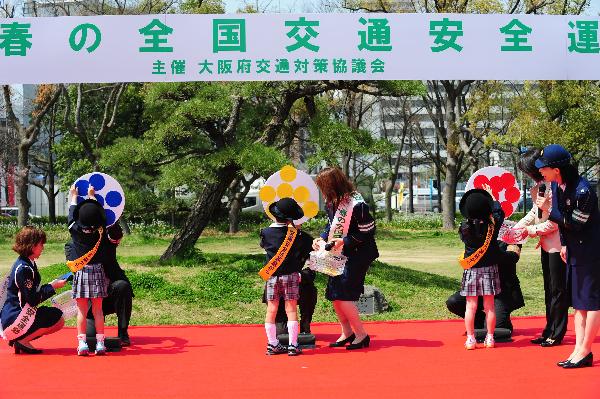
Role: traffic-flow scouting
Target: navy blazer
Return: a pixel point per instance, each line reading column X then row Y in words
column 359, row 243
column 575, row 210
column 271, row 239
column 473, row 240
column 23, row 288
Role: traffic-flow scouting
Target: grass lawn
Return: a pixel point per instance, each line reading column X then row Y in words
column 417, row 271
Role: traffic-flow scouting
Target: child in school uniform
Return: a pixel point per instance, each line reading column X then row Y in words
column 479, row 233
column 285, row 281
column 87, row 224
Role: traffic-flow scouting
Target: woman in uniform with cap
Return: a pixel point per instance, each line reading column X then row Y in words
column 575, row 210
column 22, row 319
column 351, row 229
column 87, row 222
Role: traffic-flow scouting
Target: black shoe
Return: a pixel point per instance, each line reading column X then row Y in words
column 585, row 362
column 550, row 342
column 19, row 347
column 124, row 338
column 563, row 362
column 294, row 350
column 538, row 340
column 343, row 342
column 359, row 345
column 276, row 349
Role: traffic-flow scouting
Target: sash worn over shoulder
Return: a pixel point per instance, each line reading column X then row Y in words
column 476, row 256
column 271, row 267
column 79, row 263
column 23, row 321
column 341, row 220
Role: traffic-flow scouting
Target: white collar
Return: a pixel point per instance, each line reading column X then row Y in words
column 277, row 224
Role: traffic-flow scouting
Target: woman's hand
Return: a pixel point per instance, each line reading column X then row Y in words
column 542, row 203
column 58, row 283
column 91, row 192
column 316, row 245
column 338, row 243
column 563, row 253
column 520, row 233
column 531, row 231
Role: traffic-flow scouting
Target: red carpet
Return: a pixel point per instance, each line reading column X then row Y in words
column 409, row 359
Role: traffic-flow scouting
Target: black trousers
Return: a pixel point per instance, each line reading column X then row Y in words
column 556, row 295
column 119, row 301
column 457, row 304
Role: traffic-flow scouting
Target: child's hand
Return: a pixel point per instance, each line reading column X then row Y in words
column 487, row 188
column 58, row 283
column 514, row 248
column 73, row 193
column 91, row 192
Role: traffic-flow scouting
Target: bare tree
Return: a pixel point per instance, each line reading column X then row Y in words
column 46, row 98
column 43, row 160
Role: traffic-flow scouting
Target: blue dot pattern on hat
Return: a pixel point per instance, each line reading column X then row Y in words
column 114, row 198
column 97, row 181
column 82, row 187
column 80, row 199
column 110, row 217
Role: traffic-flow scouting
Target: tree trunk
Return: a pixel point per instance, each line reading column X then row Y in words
column 235, row 210
column 389, row 188
column 52, row 206
column 448, row 202
column 411, row 198
column 208, row 200
column 22, row 180
column 453, row 152
column 51, row 192
column 438, row 174
column 124, row 225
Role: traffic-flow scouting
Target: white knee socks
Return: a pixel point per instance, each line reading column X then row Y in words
column 271, row 330
column 293, row 328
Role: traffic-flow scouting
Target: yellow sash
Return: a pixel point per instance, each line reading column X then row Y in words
column 271, row 267
column 78, row 264
column 476, row 256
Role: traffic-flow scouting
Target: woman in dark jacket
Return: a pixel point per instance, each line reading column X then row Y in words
column 575, row 210
column 22, row 319
column 351, row 229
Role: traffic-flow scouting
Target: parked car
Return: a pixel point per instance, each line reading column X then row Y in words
column 12, row 211
column 252, row 202
column 9, row 211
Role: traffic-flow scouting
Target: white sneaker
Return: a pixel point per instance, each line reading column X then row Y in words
column 489, row 341
column 82, row 349
column 470, row 343
column 100, row 348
